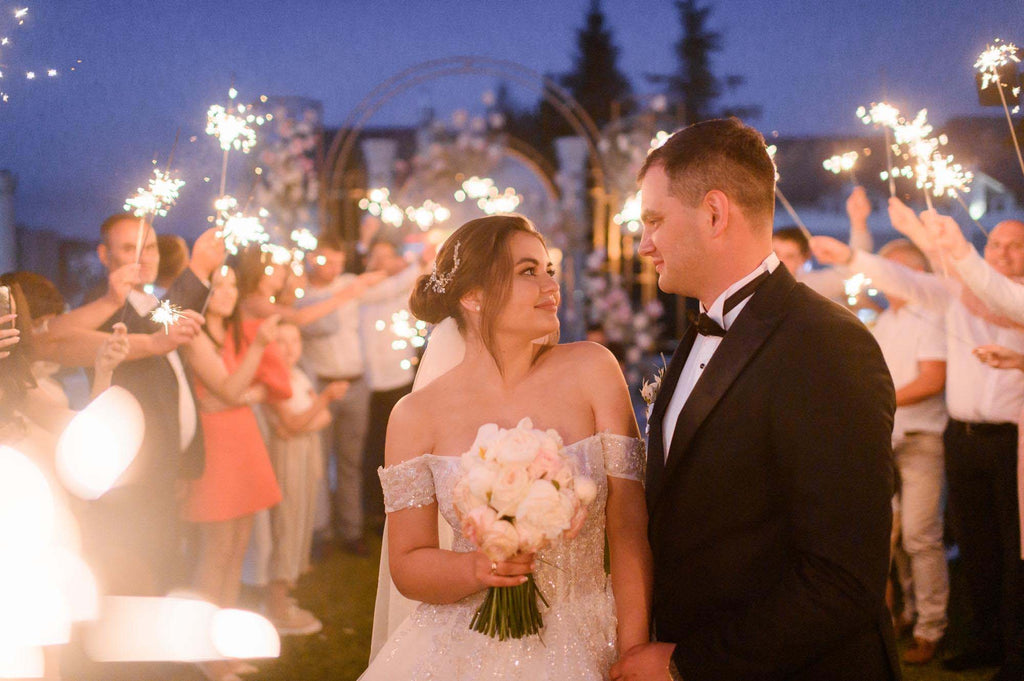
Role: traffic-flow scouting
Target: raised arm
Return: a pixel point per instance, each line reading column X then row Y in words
column 858, row 209
column 209, row 367
column 924, row 289
column 629, row 551
column 1003, row 295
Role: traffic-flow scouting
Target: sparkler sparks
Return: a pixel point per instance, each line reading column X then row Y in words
column 233, row 127
column 160, row 195
column 239, row 231
column 996, row 55
column 166, row 313
column 842, row 163
column 304, row 239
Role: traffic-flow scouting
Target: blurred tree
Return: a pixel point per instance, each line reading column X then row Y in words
column 693, row 88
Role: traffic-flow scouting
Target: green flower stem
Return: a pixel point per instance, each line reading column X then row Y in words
column 510, row 612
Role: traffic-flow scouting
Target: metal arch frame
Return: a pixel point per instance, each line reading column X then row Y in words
column 341, row 147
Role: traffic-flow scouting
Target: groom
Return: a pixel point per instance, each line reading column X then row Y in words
column 769, row 473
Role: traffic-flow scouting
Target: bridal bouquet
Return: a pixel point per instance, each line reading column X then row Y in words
column 517, row 494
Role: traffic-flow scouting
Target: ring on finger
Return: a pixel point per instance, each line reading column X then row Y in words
column 494, row 567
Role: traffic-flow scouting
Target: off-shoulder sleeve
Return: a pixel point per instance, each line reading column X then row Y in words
column 624, row 457
column 409, row 484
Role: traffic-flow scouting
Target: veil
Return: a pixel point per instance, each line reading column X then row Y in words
column 445, row 350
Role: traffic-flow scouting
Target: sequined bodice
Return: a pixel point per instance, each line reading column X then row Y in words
column 566, row 568
column 579, row 637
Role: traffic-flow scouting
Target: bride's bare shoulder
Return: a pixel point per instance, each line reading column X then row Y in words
column 410, row 431
column 586, row 355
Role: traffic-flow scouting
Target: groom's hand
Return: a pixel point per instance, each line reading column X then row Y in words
column 646, row 662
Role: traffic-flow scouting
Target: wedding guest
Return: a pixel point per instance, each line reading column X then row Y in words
column 332, row 351
column 913, row 342
column 264, row 290
column 45, row 302
column 980, row 439
column 131, row 534
column 236, row 364
column 31, row 421
column 389, row 361
column 297, row 456
column 173, row 260
column 793, row 248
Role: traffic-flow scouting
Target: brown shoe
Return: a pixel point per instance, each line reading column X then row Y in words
column 921, row 652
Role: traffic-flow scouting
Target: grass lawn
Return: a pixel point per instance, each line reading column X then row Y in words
column 341, row 591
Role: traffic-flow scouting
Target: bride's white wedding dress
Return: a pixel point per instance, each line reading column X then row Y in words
column 579, row 636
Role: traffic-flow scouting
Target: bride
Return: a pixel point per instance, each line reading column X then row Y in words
column 493, row 278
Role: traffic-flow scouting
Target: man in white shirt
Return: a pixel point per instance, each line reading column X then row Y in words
column 390, row 359
column 984, row 404
column 332, row 351
column 794, row 251
column 913, row 342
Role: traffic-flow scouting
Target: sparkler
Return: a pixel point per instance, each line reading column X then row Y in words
column 239, row 231
column 837, row 164
column 166, row 313
column 888, row 117
column 157, row 197
column 772, row 151
column 234, row 129
column 999, row 54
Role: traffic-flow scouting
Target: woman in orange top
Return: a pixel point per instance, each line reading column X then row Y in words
column 237, row 364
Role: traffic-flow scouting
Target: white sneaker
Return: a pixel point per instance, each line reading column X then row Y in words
column 297, row 622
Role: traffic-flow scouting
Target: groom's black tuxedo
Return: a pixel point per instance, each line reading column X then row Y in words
column 770, row 519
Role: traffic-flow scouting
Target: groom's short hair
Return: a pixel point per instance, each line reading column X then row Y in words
column 723, row 154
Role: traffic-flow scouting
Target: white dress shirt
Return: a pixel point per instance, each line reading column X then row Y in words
column 704, row 348
column 388, row 357
column 975, row 392
column 331, row 346
column 908, row 336
column 143, row 304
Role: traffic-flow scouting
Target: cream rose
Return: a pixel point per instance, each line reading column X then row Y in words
column 500, row 541
column 544, row 509
column 509, row 489
column 477, row 523
column 515, row 447
column 585, row 489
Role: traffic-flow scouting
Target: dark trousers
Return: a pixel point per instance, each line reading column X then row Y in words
column 381, row 404
column 981, row 474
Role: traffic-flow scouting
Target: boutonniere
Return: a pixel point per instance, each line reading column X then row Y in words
column 649, row 388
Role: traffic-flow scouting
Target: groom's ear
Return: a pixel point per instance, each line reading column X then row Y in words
column 717, row 205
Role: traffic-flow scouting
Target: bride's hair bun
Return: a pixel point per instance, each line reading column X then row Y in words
column 427, row 304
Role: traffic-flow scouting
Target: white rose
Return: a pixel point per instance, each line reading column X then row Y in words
column 500, row 541
column 477, row 523
column 509, row 489
column 480, row 479
column 479, row 450
column 515, row 446
column 563, row 476
column 531, row 539
column 464, row 500
column 544, row 509
column 585, row 488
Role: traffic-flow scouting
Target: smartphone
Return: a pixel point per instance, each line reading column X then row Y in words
column 5, row 304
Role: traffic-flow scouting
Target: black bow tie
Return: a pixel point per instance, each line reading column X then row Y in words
column 706, row 326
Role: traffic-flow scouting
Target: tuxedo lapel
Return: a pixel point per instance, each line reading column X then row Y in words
column 746, row 335
column 655, row 434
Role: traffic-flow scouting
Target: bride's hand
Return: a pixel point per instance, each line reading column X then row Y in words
column 511, row 572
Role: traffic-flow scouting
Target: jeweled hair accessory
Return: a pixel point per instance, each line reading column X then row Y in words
column 439, row 283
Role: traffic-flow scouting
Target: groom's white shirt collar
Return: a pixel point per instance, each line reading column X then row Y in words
column 715, row 311
column 704, row 347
